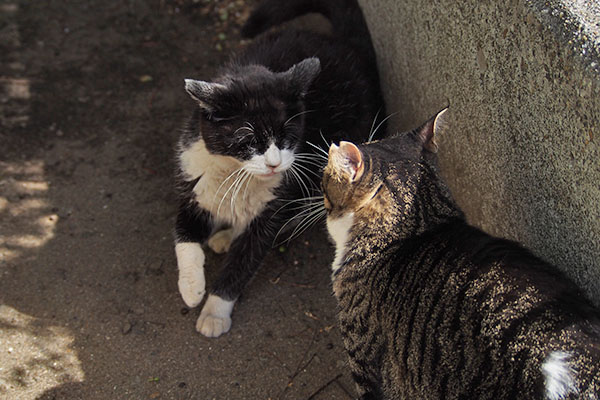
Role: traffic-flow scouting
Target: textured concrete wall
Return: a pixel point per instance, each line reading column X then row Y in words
column 522, row 152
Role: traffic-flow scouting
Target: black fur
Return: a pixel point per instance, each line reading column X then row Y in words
column 291, row 87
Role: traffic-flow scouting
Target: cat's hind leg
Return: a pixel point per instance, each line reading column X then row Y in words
column 221, row 241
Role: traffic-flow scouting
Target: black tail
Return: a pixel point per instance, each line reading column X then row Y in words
column 345, row 16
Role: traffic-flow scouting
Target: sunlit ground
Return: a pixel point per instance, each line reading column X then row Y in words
column 23, row 205
column 35, row 355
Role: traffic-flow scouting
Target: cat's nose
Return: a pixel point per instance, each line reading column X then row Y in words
column 273, row 157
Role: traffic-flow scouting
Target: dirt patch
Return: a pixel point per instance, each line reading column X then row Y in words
column 91, row 100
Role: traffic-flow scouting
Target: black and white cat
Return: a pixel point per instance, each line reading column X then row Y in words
column 245, row 154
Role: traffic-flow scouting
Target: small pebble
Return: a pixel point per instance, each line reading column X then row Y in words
column 126, row 328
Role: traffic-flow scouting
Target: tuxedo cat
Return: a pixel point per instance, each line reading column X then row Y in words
column 246, row 154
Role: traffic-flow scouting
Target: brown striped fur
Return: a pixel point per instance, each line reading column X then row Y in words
column 433, row 308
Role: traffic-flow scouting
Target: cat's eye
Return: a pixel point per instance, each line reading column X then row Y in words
column 326, row 203
column 218, row 117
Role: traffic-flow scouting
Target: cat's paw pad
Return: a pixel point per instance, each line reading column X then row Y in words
column 212, row 325
column 220, row 241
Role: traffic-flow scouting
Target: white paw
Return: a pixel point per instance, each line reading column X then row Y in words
column 220, row 241
column 213, row 326
column 215, row 318
column 191, row 283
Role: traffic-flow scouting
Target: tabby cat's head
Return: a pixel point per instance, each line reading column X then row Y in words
column 255, row 115
column 382, row 182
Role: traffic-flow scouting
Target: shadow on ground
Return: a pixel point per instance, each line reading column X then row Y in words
column 91, row 99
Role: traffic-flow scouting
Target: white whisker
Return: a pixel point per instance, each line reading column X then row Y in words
column 222, row 183
column 306, row 200
column 324, row 141
column 317, row 147
column 229, row 189
column 299, row 215
column 379, row 125
column 308, row 213
column 235, row 193
column 303, row 186
column 247, row 184
column 250, row 126
column 250, row 131
column 297, row 115
column 307, row 222
column 300, row 169
column 306, row 206
column 315, row 156
column 373, row 125
column 304, row 167
column 312, row 161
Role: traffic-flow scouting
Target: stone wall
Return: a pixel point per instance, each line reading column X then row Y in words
column 522, row 151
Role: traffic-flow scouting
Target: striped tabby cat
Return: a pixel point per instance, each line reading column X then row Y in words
column 433, row 308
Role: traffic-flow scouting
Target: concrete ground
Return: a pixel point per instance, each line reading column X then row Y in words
column 91, row 100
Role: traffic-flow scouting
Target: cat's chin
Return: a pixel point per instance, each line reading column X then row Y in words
column 267, row 176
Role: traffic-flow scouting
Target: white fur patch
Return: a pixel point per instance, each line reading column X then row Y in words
column 191, row 283
column 558, row 375
column 234, row 192
column 215, row 318
column 339, row 230
column 273, row 161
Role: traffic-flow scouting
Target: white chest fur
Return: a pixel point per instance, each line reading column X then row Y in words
column 231, row 193
column 339, row 230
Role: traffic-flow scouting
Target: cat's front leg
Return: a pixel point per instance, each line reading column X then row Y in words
column 215, row 317
column 192, row 228
column 243, row 260
column 191, row 281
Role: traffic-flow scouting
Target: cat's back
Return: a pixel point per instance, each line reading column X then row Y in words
column 345, row 97
column 466, row 314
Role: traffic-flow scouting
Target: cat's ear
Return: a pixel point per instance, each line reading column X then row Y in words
column 303, row 74
column 203, row 92
column 431, row 130
column 347, row 159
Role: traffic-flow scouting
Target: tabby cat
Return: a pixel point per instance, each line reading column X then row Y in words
column 433, row 308
column 245, row 156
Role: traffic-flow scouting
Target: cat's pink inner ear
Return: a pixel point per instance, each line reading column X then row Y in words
column 432, row 129
column 427, row 134
column 353, row 161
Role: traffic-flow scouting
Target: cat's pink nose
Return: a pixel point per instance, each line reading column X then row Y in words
column 272, row 157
